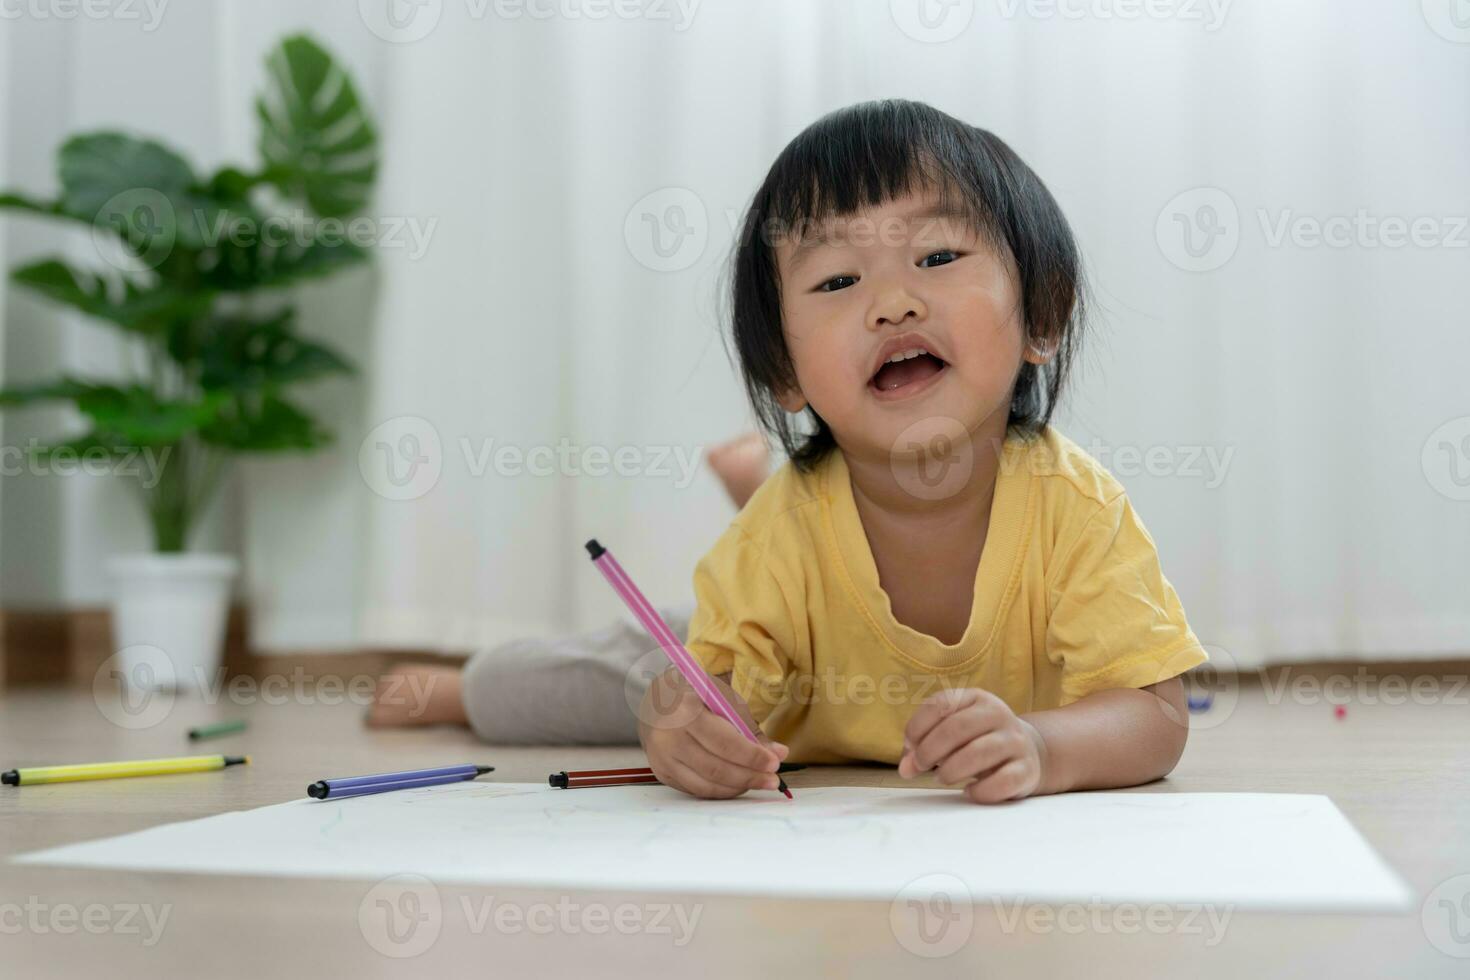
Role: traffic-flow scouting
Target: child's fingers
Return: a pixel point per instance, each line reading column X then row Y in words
column 720, row 777
column 720, row 738
column 951, row 733
column 979, row 755
column 780, row 748
column 694, row 784
column 935, row 709
column 1006, row 783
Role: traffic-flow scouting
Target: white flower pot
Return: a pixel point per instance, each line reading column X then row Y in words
column 168, row 617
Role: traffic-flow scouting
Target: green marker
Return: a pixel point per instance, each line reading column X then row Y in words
column 216, row 730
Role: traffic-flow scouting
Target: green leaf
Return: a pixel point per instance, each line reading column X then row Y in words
column 130, row 416
column 138, row 189
column 19, row 202
column 315, row 137
column 233, row 268
column 232, row 185
column 238, row 352
column 271, row 425
column 145, row 310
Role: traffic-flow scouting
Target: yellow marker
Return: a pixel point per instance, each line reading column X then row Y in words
column 120, row 770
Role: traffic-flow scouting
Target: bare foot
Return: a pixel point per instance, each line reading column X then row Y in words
column 417, row 694
column 742, row 464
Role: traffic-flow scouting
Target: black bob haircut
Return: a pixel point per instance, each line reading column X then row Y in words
column 866, row 155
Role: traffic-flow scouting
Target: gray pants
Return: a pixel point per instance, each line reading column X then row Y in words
column 575, row 690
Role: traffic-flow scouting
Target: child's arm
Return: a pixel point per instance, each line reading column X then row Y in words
column 693, row 749
column 1118, row 737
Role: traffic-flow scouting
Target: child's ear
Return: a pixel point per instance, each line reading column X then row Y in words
column 791, row 399
column 1039, row 350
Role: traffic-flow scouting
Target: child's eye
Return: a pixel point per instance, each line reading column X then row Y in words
column 943, row 255
column 836, row 283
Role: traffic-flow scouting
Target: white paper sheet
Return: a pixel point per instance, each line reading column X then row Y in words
column 1252, row 850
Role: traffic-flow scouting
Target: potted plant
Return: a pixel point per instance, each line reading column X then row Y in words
column 194, row 278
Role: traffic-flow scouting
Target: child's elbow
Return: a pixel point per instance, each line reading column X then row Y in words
column 1173, row 733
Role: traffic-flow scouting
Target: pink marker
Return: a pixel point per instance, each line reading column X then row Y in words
column 659, row 630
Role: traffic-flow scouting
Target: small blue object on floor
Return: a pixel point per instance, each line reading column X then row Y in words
column 1201, row 703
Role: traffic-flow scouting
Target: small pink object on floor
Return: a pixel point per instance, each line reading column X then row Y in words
column 1340, row 711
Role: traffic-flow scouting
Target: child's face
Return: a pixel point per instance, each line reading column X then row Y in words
column 904, row 276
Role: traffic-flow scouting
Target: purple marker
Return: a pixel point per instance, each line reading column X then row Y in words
column 384, row 782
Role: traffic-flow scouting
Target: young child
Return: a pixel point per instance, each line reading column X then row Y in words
column 936, row 578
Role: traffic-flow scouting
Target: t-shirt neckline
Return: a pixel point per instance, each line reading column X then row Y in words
column 996, row 577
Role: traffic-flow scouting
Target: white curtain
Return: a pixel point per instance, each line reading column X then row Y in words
column 1284, row 412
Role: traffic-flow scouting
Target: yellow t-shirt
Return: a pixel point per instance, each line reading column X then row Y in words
column 1069, row 599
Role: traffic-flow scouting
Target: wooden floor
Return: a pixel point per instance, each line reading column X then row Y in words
column 1401, row 773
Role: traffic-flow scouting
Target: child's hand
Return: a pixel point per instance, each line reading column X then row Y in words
column 693, row 749
column 974, row 737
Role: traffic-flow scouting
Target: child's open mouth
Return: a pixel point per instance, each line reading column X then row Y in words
column 905, row 373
